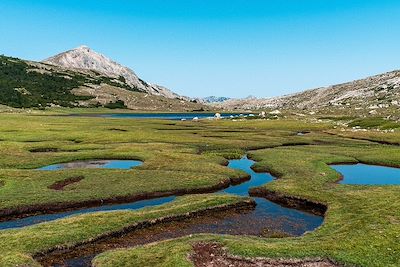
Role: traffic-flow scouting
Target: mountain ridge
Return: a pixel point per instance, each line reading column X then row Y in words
column 373, row 92
column 83, row 57
column 31, row 84
column 83, row 77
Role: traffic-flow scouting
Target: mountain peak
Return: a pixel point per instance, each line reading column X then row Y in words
column 83, row 47
column 83, row 57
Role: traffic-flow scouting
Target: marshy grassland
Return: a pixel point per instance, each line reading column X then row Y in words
column 361, row 226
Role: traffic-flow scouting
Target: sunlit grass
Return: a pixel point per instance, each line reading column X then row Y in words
column 361, row 226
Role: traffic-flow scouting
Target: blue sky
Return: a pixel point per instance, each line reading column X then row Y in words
column 230, row 48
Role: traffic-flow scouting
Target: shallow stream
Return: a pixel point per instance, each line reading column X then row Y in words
column 266, row 219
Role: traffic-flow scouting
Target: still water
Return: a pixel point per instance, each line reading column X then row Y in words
column 363, row 174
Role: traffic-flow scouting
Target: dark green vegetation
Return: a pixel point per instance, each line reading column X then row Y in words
column 119, row 104
column 380, row 123
column 361, row 227
column 33, row 85
column 21, row 88
column 29, row 84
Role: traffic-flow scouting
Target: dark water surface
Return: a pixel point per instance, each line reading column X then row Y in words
column 363, row 174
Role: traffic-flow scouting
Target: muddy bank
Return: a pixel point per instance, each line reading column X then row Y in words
column 214, row 255
column 51, row 208
column 50, row 149
column 44, row 149
column 265, row 220
column 289, row 201
column 140, row 233
column 118, row 130
column 297, row 144
column 61, row 184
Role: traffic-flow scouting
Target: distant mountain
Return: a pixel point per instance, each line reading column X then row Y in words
column 214, row 99
column 84, row 57
column 372, row 93
column 85, row 78
column 26, row 84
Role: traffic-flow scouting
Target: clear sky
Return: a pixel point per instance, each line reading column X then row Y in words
column 230, row 48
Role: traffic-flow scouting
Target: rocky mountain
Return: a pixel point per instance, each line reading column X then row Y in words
column 26, row 84
column 372, row 93
column 83, row 77
column 85, row 58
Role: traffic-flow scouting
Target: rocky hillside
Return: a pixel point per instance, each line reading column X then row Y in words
column 372, row 93
column 85, row 58
column 26, row 84
column 213, row 99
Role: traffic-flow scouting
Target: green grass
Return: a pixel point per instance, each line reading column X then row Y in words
column 374, row 136
column 169, row 152
column 361, row 226
column 375, row 122
column 18, row 246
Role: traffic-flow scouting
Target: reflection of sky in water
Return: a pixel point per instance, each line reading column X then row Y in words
column 368, row 174
column 266, row 214
column 257, row 179
column 92, row 164
column 50, row 217
column 266, row 218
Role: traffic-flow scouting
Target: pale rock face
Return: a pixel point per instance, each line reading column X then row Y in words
column 370, row 93
column 85, row 58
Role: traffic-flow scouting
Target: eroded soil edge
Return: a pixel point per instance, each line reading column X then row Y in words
column 214, row 255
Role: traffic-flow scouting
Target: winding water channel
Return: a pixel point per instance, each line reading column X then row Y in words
column 265, row 219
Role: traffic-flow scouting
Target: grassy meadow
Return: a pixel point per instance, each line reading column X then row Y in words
column 361, row 226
